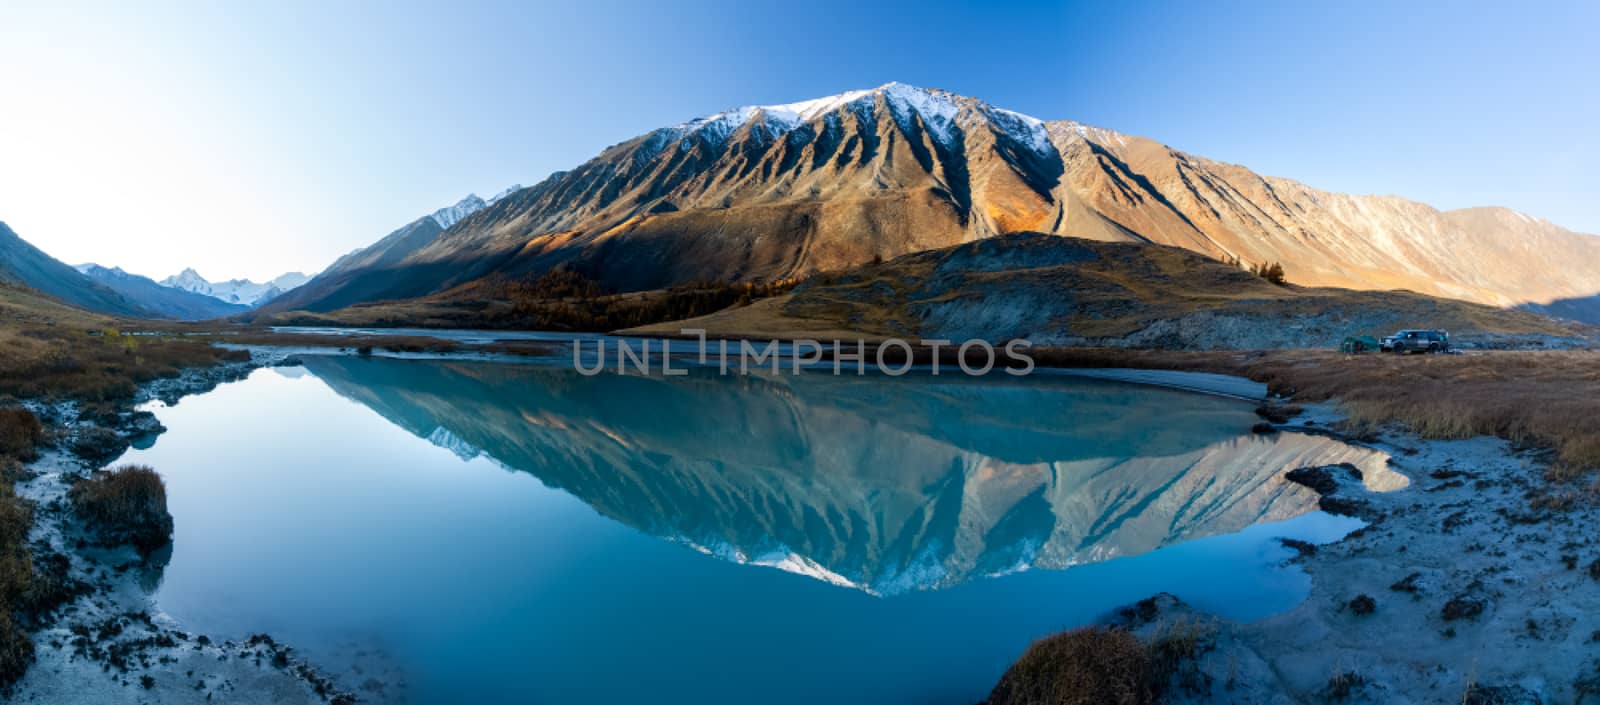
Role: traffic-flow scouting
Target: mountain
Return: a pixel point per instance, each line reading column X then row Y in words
column 22, row 263
column 167, row 301
column 239, row 292
column 450, row 215
column 781, row 191
column 334, row 285
column 1066, row 291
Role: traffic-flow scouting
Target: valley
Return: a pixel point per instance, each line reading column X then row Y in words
column 398, row 466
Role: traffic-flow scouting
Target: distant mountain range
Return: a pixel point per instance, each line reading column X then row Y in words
column 111, row 290
column 781, row 191
column 242, row 292
column 164, row 300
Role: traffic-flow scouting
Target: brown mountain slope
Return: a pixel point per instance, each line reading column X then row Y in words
column 1064, row 291
column 772, row 192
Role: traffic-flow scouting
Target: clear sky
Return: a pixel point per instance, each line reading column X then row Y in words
column 251, row 138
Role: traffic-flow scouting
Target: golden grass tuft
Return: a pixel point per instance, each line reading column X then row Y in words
column 1085, row 666
column 20, row 433
column 16, row 581
column 127, row 505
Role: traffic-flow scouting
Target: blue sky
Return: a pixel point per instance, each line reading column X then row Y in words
column 246, row 139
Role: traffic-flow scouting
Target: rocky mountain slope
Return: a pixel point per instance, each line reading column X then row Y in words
column 1065, row 291
column 165, row 300
column 782, row 191
column 22, row 263
column 347, row 280
column 239, row 292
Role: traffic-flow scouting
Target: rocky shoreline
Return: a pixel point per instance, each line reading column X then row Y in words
column 1479, row 583
column 105, row 640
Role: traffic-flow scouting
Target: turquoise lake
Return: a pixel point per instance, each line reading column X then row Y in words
column 521, row 533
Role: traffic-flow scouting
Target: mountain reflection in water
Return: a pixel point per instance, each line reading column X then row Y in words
column 883, row 484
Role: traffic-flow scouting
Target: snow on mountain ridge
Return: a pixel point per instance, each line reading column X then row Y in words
column 507, row 192
column 938, row 110
column 235, row 291
column 450, row 215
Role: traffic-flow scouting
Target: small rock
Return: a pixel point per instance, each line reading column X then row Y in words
column 1318, row 479
column 1408, row 584
column 1363, row 605
column 1301, row 547
column 1462, row 607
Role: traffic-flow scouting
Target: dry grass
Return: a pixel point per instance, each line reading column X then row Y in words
column 1545, row 399
column 1092, row 290
column 127, row 505
column 48, row 350
column 558, row 300
column 52, row 351
column 16, row 581
column 20, row 433
column 1086, row 666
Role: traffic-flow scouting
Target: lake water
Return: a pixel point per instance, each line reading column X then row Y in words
column 520, row 533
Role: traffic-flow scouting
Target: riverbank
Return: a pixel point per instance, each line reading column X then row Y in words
column 1478, row 583
column 107, row 641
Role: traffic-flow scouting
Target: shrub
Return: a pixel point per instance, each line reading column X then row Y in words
column 16, row 650
column 1086, row 666
column 16, row 570
column 20, row 433
column 1271, row 272
column 125, row 506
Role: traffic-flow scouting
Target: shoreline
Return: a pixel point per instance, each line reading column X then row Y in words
column 1230, row 386
column 108, row 641
column 1467, row 586
column 1482, row 583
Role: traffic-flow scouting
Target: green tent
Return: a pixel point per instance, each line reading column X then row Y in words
column 1359, row 344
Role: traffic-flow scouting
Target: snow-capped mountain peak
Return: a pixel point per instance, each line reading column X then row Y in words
column 450, row 215
column 235, row 291
column 188, row 280
column 937, row 110
column 91, row 268
column 509, row 190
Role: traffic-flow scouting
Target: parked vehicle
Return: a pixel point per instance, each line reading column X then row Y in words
column 1420, row 340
